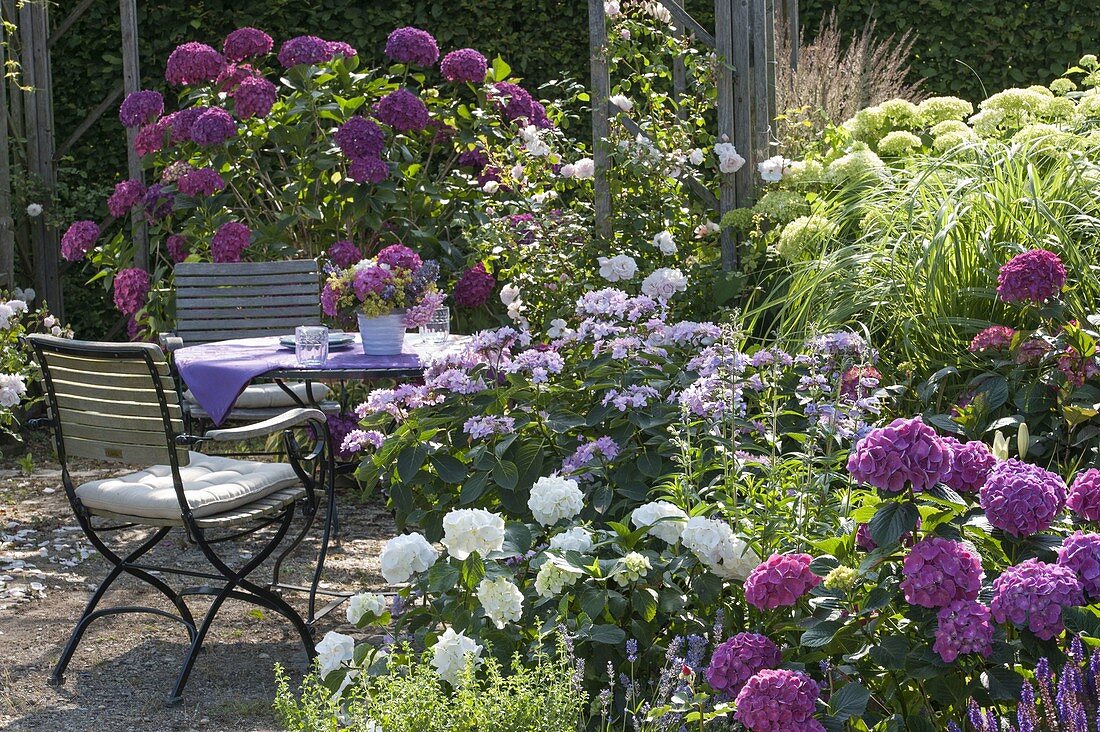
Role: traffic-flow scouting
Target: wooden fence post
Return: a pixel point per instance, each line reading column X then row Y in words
column 601, row 123
column 7, row 223
column 727, row 128
column 131, row 77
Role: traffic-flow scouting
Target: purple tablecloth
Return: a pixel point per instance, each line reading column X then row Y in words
column 217, row 373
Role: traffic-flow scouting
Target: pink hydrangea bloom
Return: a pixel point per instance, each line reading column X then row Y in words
column 993, row 338
column 340, row 48
column 201, row 182
column 779, row 700
column 131, row 288
column 740, row 658
column 938, row 572
column 245, row 43
column 1032, row 594
column 971, row 463
column 412, row 46
column 1032, row 351
column 213, row 127
column 344, row 253
column 1022, row 499
column 1084, row 495
column 1081, row 553
column 140, row 108
column 151, row 138
column 254, row 98
column 370, row 280
column 399, row 255
column 181, row 122
column 905, row 452
column 474, row 287
column 304, row 50
column 464, row 66
column 78, row 239
column 963, row 627
column 193, row 63
column 230, row 241
column 176, row 245
column 360, row 137
column 368, row 170
column 779, row 581
column 1034, row 276
column 234, row 74
column 403, row 111
column 1077, row 368
column 127, row 194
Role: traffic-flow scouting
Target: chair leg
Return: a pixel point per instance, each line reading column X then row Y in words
column 282, row 607
column 196, row 643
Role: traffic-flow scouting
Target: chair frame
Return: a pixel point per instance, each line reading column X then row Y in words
column 314, row 469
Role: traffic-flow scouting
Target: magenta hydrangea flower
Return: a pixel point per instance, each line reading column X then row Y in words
column 867, row 544
column 201, row 182
column 412, row 46
column 1034, row 276
column 474, row 287
column 131, row 287
column 464, row 66
column 403, row 111
column 176, row 245
column 1022, row 499
column 150, row 138
column 340, row 48
column 1081, row 553
column 193, row 63
column 127, row 194
column 514, row 101
column 971, row 463
column 1032, row 594
column 360, row 137
column 230, row 241
column 1077, row 368
column 1032, row 351
column 779, row 581
column 330, row 299
column 1084, row 495
column 475, row 158
column 779, row 700
column 234, row 74
column 254, row 97
column 181, row 122
column 993, row 338
column 740, row 658
column 938, row 572
column 158, row 202
column 399, row 255
column 963, row 627
column 905, row 452
column 304, row 50
column 369, row 170
column 140, row 108
column 245, row 43
column 370, row 280
column 78, row 239
column 213, row 127
column 344, row 253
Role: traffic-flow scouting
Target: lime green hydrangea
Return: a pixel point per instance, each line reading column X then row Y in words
column 1089, row 104
column 950, row 125
column 1046, row 137
column 901, row 114
column 935, row 110
column 1006, row 112
column 782, row 207
column 1062, row 86
column 899, row 143
column 804, row 174
column 1059, row 109
column 867, row 125
column 804, row 235
column 858, row 165
column 1088, row 61
column 952, row 139
column 841, row 579
column 1040, row 89
column 739, row 220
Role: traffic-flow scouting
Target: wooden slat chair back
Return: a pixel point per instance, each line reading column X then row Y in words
column 113, row 401
column 217, row 302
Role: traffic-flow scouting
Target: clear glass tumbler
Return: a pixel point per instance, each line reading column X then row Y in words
column 438, row 327
column 311, row 345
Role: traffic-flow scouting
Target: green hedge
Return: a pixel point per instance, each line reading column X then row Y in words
column 1006, row 43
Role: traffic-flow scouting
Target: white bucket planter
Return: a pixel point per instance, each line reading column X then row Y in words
column 383, row 335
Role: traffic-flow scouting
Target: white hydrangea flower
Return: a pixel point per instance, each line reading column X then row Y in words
column 576, row 539
column 509, row 294
column 450, row 655
column 557, row 329
column 469, row 530
column 665, row 242
column 716, row 546
column 501, row 600
column 663, row 283
column 34, row 210
column 12, row 389
column 622, row 101
column 405, row 555
column 651, row 514
column 334, row 650
column 619, row 268
column 585, row 169
column 729, row 160
column 553, row 578
column 696, row 157
column 362, row 604
column 554, row 498
column 632, row 567
column 774, row 168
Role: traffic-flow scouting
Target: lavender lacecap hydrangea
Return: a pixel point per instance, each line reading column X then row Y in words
column 193, row 63
column 779, row 700
column 1084, row 495
column 464, row 66
column 939, row 571
column 344, row 253
column 245, row 43
column 1022, row 499
column 213, row 127
column 140, row 108
column 254, row 97
column 1032, row 594
column 360, row 137
column 905, row 452
column 127, row 194
column 779, row 581
column 963, row 627
column 1034, row 276
column 474, row 287
column 740, row 658
column 131, row 287
column 403, row 111
column 78, row 239
column 971, row 463
column 230, row 241
column 1080, row 552
column 412, row 46
column 304, row 50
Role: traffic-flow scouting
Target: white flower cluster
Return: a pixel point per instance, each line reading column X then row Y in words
column 663, row 283
column 583, row 169
column 665, row 521
column 533, row 142
column 334, row 650
column 510, row 298
column 405, row 555
column 55, row 327
column 665, row 242
column 619, row 268
column 576, row 539
column 729, row 160
column 501, row 600
column 552, row 578
column 12, row 389
column 774, row 169
column 9, row 310
column 554, row 498
column 622, row 101
column 716, row 546
column 470, row 530
column 365, row 605
column 451, row 653
column 631, row 568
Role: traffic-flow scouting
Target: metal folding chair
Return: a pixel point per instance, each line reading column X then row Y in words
column 119, row 402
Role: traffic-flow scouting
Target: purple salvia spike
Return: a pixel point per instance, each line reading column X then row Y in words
column 952, row 727
column 1077, row 650
column 1026, row 714
column 974, row 713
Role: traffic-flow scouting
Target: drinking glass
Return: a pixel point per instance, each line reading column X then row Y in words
column 311, row 345
column 438, row 326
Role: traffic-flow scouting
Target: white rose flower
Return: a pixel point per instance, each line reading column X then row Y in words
column 12, row 390
column 17, row 305
column 451, row 653
column 56, row 331
column 49, row 321
column 515, row 312
column 663, row 283
column 509, row 293
column 665, row 242
column 612, row 9
column 6, row 314
column 469, row 530
column 517, row 172
column 557, row 329
column 622, row 101
column 405, row 555
column 567, row 171
column 619, row 268
column 362, row 604
column 729, row 160
column 707, row 228
column 774, row 168
column 501, row 600
column 554, row 498
column 665, row 521
column 533, row 142
column 716, row 546
column 34, row 210
column 625, row 34
column 585, row 169
column 696, row 157
column 577, row 539
column 334, row 650
column 659, row 12
column 553, row 578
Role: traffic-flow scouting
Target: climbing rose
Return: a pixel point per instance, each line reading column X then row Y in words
column 230, row 240
column 128, row 194
column 131, row 288
column 213, row 127
column 474, row 287
column 963, row 627
column 246, row 42
column 78, row 239
column 1032, row 594
column 995, row 337
column 1034, row 276
column 201, row 182
column 464, row 66
column 304, row 50
column 779, row 581
column 140, row 108
column 1081, row 553
column 360, row 137
column 1022, row 499
column 399, row 255
column 1084, row 495
column 739, row 659
column 193, row 63
column 906, row 451
column 971, row 463
column 778, row 700
column 403, row 111
column 938, row 572
column 177, row 247
column 344, row 253
column 369, row 170
column 412, row 46
column 254, row 98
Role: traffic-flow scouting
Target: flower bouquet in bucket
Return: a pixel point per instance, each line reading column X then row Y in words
column 387, row 293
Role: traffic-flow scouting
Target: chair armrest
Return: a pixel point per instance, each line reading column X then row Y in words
column 170, row 343
column 284, row 421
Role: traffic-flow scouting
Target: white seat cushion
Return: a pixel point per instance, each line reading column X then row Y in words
column 213, row 484
column 271, row 396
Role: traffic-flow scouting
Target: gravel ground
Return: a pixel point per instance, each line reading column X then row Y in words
column 122, row 672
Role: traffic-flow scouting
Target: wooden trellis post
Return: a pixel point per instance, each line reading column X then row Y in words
column 7, row 223
column 601, row 126
column 131, row 77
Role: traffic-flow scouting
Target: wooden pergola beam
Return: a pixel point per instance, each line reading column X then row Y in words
column 689, row 24
column 71, row 18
